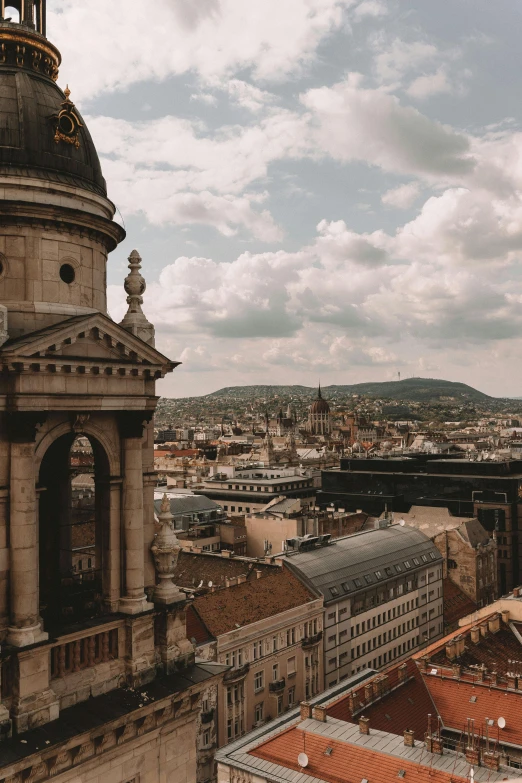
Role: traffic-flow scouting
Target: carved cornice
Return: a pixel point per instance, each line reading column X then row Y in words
column 22, row 49
column 53, row 761
column 64, row 219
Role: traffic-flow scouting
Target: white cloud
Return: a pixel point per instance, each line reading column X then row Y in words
column 214, row 38
column 355, row 123
column 371, row 8
column 403, row 196
column 431, row 84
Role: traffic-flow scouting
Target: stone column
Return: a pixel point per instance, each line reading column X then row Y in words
column 134, row 600
column 25, row 625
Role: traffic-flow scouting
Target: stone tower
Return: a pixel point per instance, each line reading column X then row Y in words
column 69, row 371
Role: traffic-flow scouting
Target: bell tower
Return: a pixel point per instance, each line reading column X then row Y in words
column 80, row 611
column 57, row 221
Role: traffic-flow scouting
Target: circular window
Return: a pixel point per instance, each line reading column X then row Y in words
column 67, row 273
column 66, row 124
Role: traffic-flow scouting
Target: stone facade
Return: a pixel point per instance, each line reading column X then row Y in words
column 98, row 676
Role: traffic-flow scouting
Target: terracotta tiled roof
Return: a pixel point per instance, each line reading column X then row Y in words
column 192, row 568
column 251, row 601
column 456, row 603
column 453, row 696
column 404, row 706
column 347, row 763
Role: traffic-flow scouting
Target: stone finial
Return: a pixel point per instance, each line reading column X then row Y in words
column 135, row 320
column 4, row 334
column 165, row 551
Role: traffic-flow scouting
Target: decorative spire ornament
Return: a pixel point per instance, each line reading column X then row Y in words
column 165, row 551
column 135, row 320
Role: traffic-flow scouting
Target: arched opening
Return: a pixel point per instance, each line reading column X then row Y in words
column 74, row 519
column 12, row 13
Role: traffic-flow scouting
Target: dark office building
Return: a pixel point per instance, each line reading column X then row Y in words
column 489, row 491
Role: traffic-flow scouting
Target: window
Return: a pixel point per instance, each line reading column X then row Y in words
column 259, row 712
column 345, row 586
column 275, row 672
column 279, row 705
column 332, row 638
column 290, row 637
column 274, row 644
column 290, row 666
column 424, row 558
column 291, row 696
column 416, row 561
column 259, row 681
column 368, row 579
column 398, row 568
column 407, row 564
column 432, row 555
column 257, row 651
column 206, row 738
column 378, row 574
column 334, row 591
column 357, row 582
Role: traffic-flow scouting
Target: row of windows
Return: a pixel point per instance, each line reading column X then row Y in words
column 386, row 573
column 265, row 647
column 368, row 601
column 385, row 617
column 279, row 487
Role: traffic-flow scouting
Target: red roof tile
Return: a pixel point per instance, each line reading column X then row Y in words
column 452, row 697
column 404, row 707
column 347, row 763
column 196, row 628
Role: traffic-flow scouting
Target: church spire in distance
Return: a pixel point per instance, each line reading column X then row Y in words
column 319, row 393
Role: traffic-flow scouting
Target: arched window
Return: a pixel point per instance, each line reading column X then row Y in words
column 74, row 518
column 12, row 13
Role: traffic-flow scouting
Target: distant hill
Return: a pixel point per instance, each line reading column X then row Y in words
column 408, row 390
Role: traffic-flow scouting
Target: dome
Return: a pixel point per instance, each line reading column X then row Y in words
column 320, row 406
column 42, row 134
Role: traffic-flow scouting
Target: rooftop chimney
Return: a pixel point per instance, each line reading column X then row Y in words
column 409, row 738
column 364, row 725
column 402, row 672
column 259, row 573
column 241, row 578
column 475, row 634
column 306, row 710
column 505, row 616
column 451, row 651
column 494, row 623
column 319, row 713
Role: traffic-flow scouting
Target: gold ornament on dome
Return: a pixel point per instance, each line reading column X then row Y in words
column 67, row 124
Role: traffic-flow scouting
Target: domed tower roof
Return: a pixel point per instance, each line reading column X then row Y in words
column 42, row 134
column 319, row 405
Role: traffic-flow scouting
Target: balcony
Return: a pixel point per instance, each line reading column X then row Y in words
column 277, row 686
column 207, row 716
column 309, row 641
column 233, row 675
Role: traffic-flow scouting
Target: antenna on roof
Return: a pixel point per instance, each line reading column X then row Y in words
column 302, row 760
column 501, row 723
column 402, row 522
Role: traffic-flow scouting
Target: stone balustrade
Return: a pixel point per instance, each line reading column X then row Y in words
column 84, row 652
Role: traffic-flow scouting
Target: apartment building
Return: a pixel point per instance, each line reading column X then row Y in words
column 268, row 630
column 383, row 596
column 249, row 489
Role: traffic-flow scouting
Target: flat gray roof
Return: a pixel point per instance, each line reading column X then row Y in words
column 353, row 563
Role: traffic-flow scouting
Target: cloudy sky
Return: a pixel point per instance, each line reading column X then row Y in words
column 318, row 188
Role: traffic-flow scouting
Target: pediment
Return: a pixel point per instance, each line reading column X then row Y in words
column 85, row 339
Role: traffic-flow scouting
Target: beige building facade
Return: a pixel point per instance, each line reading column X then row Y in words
column 269, row 633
